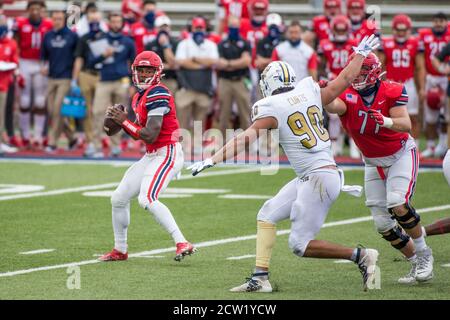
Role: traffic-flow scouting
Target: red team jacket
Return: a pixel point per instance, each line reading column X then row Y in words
column 8, row 53
column 432, row 45
column 31, row 37
column 400, row 58
column 157, row 96
column 374, row 141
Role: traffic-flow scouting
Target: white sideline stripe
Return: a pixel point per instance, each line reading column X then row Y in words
column 37, row 251
column 245, row 196
column 242, row 257
column 447, row 265
column 115, row 184
column 342, row 261
column 203, row 244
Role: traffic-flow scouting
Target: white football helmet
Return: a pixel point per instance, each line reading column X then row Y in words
column 278, row 74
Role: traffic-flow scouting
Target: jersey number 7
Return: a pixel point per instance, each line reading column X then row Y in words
column 312, row 131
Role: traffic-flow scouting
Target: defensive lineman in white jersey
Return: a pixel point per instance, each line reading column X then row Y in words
column 297, row 113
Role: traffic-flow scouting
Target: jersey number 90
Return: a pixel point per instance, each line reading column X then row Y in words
column 300, row 127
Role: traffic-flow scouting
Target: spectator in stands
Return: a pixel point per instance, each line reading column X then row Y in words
column 57, row 55
column 29, row 32
column 8, row 63
column 131, row 12
column 361, row 26
column 227, row 8
column 196, row 57
column 265, row 46
column 297, row 53
column 83, row 25
column 165, row 46
column 86, row 72
column 118, row 54
column 144, row 31
column 233, row 74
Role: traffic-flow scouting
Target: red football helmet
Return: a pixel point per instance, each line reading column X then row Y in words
column 331, row 8
column 435, row 98
column 370, row 73
column 147, row 59
column 401, row 21
column 258, row 9
column 132, row 8
column 340, row 28
column 356, row 10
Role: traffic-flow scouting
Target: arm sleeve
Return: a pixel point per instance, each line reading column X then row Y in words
column 262, row 109
column 312, row 62
column 275, row 56
column 402, row 100
column 157, row 97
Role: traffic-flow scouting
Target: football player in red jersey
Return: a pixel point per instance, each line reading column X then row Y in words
column 29, row 33
column 131, row 12
column 321, row 24
column 432, row 40
column 334, row 53
column 404, row 63
column 157, row 126
column 361, row 26
column 374, row 114
column 237, row 8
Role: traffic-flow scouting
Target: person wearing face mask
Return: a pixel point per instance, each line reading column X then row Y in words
column 196, row 56
column 227, row 8
column 266, row 45
column 333, row 55
column 8, row 63
column 432, row 40
column 29, row 32
column 374, row 113
column 131, row 12
column 233, row 73
column 114, row 81
column 83, row 27
column 165, row 47
column 144, row 31
column 57, row 56
column 404, row 63
column 86, row 72
column 297, row 53
column 361, row 26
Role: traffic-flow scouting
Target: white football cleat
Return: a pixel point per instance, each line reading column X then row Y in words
column 427, row 153
column 440, row 150
column 367, row 266
column 254, row 284
column 425, row 261
column 410, row 278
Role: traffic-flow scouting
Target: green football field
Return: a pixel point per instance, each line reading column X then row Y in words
column 55, row 219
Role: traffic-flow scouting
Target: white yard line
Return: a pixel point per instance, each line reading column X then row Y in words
column 37, row 251
column 242, row 257
column 203, row 244
column 245, row 196
column 342, row 261
column 115, row 184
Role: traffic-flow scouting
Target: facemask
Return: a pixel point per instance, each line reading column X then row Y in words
column 233, row 34
column 439, row 32
column 199, row 37
column 369, row 90
column 35, row 23
column 94, row 27
column 3, row 31
column 274, row 32
column 400, row 39
column 130, row 20
column 115, row 33
column 355, row 19
column 294, row 43
column 150, row 19
column 258, row 21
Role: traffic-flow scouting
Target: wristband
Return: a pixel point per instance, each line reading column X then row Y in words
column 132, row 129
column 388, row 122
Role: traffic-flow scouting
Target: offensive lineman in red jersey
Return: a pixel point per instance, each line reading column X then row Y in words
column 29, row 33
column 361, row 27
column 374, row 114
column 334, row 53
column 404, row 64
column 432, row 40
column 157, row 125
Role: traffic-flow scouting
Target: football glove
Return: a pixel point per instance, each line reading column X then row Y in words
column 199, row 166
column 367, row 45
column 380, row 119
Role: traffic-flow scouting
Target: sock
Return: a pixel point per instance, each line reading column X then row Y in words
column 24, row 124
column 265, row 240
column 39, row 123
column 430, row 144
column 121, row 220
column 442, row 139
column 412, row 259
column 357, row 254
column 164, row 217
column 420, row 243
column 262, row 274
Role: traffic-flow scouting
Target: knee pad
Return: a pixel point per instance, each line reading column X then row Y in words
column 298, row 245
column 409, row 220
column 117, row 200
column 383, row 220
column 396, row 237
column 395, row 198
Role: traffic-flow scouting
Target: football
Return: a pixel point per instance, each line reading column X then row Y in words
column 110, row 126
